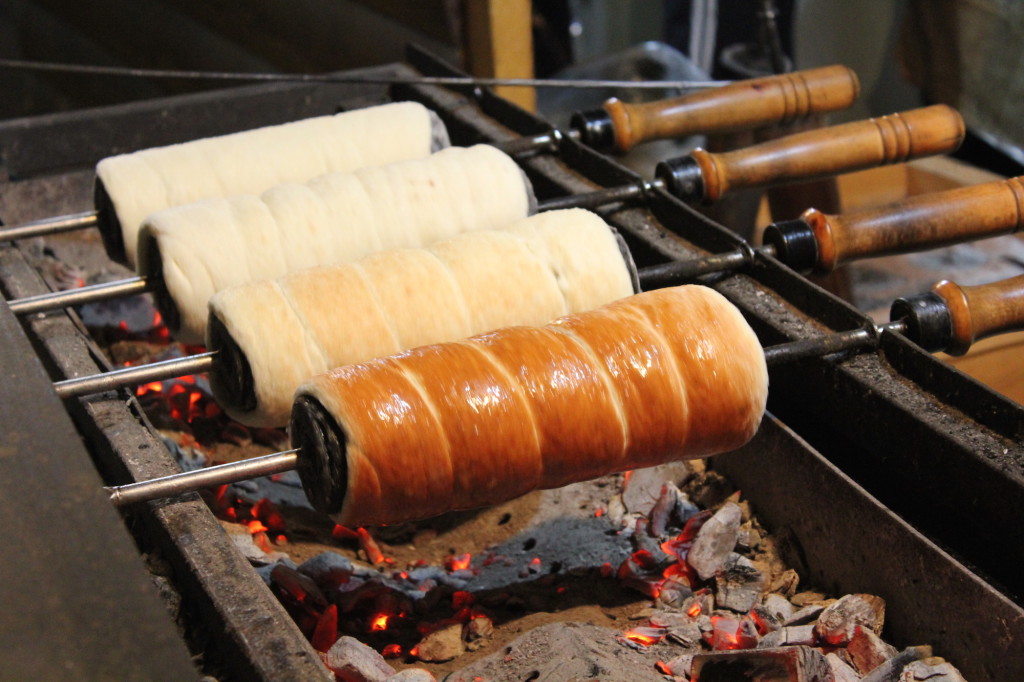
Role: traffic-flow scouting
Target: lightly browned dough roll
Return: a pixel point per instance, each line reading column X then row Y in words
column 131, row 186
column 272, row 335
column 667, row 374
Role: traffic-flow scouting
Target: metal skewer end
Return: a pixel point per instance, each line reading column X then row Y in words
column 134, row 376
column 48, row 226
column 191, row 481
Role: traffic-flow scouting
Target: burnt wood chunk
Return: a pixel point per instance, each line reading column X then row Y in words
column 839, row 620
column 785, row 664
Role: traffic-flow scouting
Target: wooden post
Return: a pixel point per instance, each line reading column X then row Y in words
column 498, row 43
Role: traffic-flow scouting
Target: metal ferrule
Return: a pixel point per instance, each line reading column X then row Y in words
column 681, row 177
column 595, row 129
column 927, row 319
column 794, row 243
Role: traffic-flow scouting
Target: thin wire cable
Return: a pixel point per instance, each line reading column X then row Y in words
column 350, row 78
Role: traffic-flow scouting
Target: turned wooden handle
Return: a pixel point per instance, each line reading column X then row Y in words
column 927, row 220
column 827, row 151
column 983, row 310
column 737, row 106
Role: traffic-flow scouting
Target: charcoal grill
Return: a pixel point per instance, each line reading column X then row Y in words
column 890, row 472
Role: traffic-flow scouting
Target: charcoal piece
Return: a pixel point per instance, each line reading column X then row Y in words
column 477, row 631
column 679, row 627
column 728, row 632
column 765, row 619
column 297, row 586
column 559, row 652
column 841, row 670
column 779, row 606
column 787, row 664
column 748, row 539
column 867, row 651
column 264, row 570
column 441, row 645
column 715, row 541
column 807, row 614
column 709, row 489
column 328, row 569
column 786, row 583
column 739, row 586
column 643, row 488
column 674, row 592
column 241, row 537
column 789, row 636
column 837, row 622
column 684, row 634
column 653, row 546
column 679, row 666
column 685, row 509
column 664, row 509
column 412, row 675
column 931, row 670
column 353, row 661
column 890, row 670
column 810, row 598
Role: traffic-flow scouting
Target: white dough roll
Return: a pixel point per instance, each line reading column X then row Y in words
column 132, row 186
column 272, row 335
column 191, row 252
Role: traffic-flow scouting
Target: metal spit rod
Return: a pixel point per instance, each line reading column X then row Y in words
column 233, row 472
column 134, row 376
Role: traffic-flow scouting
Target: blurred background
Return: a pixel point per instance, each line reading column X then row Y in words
column 965, row 53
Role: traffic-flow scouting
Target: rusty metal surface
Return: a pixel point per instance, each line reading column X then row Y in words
column 66, row 596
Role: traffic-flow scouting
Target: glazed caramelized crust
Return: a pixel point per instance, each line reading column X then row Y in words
column 668, row 374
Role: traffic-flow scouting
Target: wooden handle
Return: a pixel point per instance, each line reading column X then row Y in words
column 738, row 106
column 927, row 220
column 983, row 310
column 827, row 151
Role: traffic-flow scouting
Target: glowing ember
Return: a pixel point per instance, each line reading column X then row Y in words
column 535, row 561
column 599, row 512
column 369, row 546
column 731, row 633
column 343, row 533
column 265, row 511
column 379, row 623
column 326, row 632
column 461, row 599
column 663, row 668
column 458, row 563
column 256, row 526
column 644, row 636
column 694, row 610
column 391, row 651
column 151, row 387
